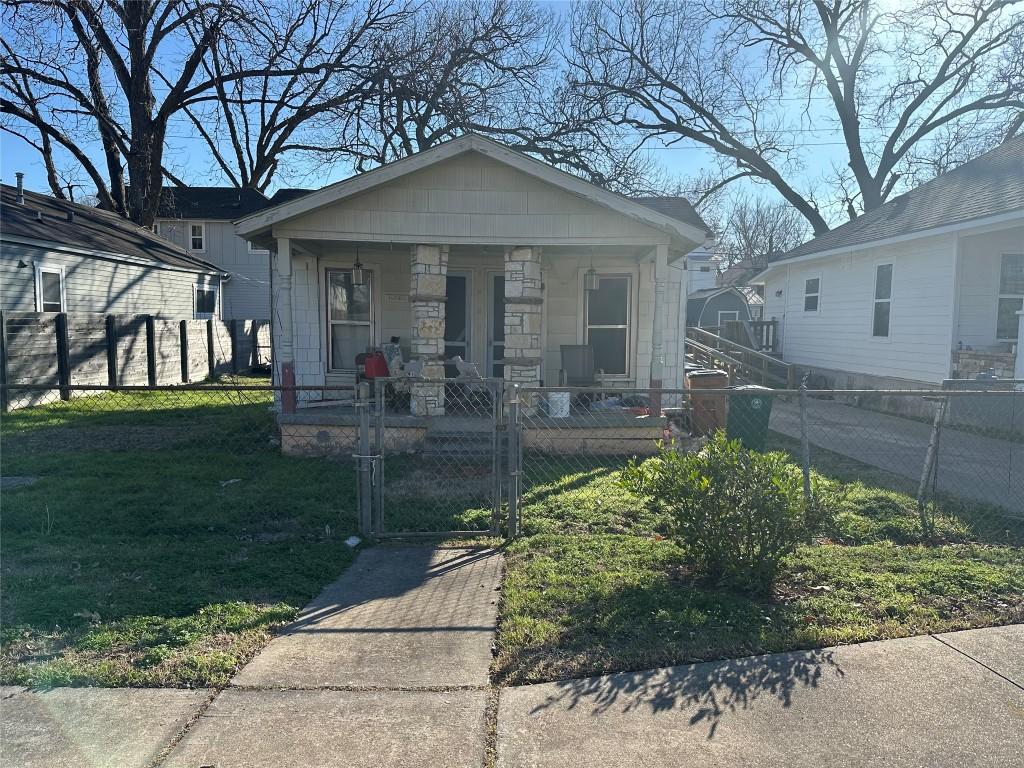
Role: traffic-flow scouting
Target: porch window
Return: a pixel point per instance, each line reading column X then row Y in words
column 1011, row 296
column 607, row 322
column 349, row 314
column 812, row 294
column 883, row 301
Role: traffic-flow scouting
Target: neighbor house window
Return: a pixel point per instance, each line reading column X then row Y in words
column 883, row 301
column 1011, row 296
column 197, row 237
column 156, row 227
column 49, row 289
column 255, row 249
column 349, row 314
column 607, row 323
column 812, row 294
column 205, row 302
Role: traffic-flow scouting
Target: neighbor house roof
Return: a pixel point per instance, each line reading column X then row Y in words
column 990, row 185
column 45, row 219
column 676, row 208
column 690, row 228
column 287, row 194
column 210, row 203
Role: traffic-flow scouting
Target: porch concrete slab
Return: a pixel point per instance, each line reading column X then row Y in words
column 998, row 648
column 94, row 727
column 336, row 728
column 400, row 617
column 912, row 702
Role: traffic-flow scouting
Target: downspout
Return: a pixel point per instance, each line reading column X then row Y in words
column 658, row 332
column 283, row 315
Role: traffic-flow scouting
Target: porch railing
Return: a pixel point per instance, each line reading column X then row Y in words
column 741, row 362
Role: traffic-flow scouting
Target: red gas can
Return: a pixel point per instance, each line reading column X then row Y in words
column 376, row 366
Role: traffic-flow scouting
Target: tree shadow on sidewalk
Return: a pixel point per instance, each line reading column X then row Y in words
column 709, row 691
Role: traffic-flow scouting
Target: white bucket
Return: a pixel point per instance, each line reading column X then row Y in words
column 558, row 404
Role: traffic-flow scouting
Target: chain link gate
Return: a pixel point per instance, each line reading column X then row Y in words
column 439, row 473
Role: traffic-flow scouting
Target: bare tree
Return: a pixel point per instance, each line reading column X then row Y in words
column 752, row 230
column 757, row 81
column 119, row 71
column 253, row 124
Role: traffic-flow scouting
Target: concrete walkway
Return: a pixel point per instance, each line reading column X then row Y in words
column 946, row 701
column 970, row 466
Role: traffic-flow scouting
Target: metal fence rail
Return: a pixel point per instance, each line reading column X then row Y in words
column 490, row 458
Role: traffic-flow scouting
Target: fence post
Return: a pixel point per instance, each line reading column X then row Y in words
column 254, row 342
column 151, row 350
column 514, row 459
column 5, row 396
column 362, row 405
column 234, row 345
column 805, row 445
column 211, row 361
column 111, row 327
column 183, row 349
column 498, row 442
column 931, row 462
column 63, row 357
column 380, row 391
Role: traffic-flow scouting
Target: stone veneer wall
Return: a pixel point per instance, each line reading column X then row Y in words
column 427, row 296
column 968, row 363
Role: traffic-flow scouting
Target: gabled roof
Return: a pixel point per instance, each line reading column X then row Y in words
column 287, row 194
column 210, row 203
column 678, row 208
column 990, row 185
column 692, row 228
column 88, row 229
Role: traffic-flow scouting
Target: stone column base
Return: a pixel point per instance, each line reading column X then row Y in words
column 427, row 398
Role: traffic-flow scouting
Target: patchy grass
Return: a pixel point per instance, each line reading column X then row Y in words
column 164, row 559
column 585, row 605
column 599, row 585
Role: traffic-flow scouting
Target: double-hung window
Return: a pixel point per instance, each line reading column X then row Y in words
column 349, row 317
column 197, row 237
column 1011, row 296
column 607, row 321
column 812, row 294
column 50, row 289
column 883, row 301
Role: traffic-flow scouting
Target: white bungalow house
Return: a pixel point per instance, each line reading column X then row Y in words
column 927, row 287
column 473, row 249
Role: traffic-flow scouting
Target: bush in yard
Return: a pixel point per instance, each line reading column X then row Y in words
column 738, row 512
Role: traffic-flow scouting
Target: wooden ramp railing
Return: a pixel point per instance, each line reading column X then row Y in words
column 743, row 364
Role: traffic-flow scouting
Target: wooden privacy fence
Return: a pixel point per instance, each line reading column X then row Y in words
column 61, row 350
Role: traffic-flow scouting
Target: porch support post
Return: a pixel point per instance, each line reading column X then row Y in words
column 658, row 319
column 1018, row 365
column 524, row 304
column 282, row 325
column 427, row 295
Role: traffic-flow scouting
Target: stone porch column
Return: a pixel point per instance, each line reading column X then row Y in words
column 524, row 302
column 427, row 295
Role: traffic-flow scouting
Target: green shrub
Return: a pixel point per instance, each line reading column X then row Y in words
column 737, row 512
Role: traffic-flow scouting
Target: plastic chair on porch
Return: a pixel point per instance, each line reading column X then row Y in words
column 578, row 370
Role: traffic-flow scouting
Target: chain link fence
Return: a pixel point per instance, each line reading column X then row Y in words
column 414, row 457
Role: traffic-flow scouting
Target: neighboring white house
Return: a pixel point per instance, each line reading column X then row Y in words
column 200, row 219
column 473, row 249
column 924, row 288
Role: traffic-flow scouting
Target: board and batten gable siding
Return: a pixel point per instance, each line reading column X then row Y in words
column 980, row 263
column 470, row 197
column 98, row 285
column 838, row 336
column 247, row 293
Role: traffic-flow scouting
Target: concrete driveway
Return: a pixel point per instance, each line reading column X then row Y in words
column 970, row 466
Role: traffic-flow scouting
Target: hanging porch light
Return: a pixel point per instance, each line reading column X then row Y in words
column 590, row 280
column 358, row 273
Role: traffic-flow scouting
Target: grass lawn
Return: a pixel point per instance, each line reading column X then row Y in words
column 161, row 540
column 597, row 585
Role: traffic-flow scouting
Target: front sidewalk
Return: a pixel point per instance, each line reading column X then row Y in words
column 389, row 667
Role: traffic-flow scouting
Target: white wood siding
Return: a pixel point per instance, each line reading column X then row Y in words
column 471, row 197
column 980, row 260
column 247, row 294
column 838, row 336
column 98, row 285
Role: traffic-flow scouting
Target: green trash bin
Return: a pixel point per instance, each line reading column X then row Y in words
column 750, row 407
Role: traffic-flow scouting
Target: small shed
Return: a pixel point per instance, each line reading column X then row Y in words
column 713, row 307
